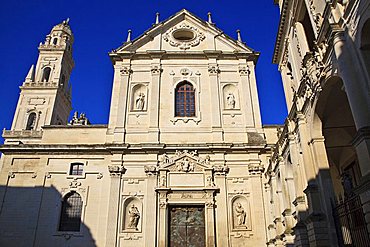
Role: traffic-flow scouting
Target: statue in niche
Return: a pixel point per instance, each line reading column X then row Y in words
column 140, row 101
column 240, row 214
column 230, row 99
column 134, row 214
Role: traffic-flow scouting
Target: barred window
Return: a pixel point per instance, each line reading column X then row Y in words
column 185, row 100
column 70, row 217
column 76, row 169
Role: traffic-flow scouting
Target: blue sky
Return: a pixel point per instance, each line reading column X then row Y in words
column 100, row 26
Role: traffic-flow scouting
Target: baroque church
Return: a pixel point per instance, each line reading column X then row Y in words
column 184, row 159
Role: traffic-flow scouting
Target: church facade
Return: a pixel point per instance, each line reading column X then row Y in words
column 180, row 162
column 184, row 159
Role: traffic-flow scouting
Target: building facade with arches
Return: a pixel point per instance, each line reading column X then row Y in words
column 318, row 176
column 180, row 162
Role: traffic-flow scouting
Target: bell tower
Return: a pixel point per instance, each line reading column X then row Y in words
column 45, row 97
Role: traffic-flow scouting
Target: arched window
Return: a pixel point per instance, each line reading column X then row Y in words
column 55, row 41
column 185, row 100
column 46, row 74
column 31, row 121
column 70, row 216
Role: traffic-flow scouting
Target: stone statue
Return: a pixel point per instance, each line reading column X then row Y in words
column 230, row 100
column 134, row 214
column 140, row 101
column 185, row 166
column 240, row 214
column 79, row 120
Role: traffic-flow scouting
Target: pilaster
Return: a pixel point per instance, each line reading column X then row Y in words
column 116, row 170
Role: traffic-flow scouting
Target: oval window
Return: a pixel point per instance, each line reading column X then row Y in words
column 183, row 35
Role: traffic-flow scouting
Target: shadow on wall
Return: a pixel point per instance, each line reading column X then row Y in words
column 329, row 221
column 31, row 216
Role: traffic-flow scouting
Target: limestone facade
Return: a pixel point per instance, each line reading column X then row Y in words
column 184, row 138
column 319, row 174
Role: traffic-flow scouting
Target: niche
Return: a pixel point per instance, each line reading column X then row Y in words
column 240, row 214
column 230, row 97
column 139, row 98
column 132, row 215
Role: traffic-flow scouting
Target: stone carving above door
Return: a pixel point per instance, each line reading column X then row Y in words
column 185, row 161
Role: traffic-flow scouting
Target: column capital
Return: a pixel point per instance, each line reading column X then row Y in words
column 125, row 70
column 213, row 69
column 116, row 171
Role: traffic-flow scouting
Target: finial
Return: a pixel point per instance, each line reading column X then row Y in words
column 156, row 18
column 210, row 18
column 128, row 35
column 66, row 22
column 239, row 36
column 31, row 74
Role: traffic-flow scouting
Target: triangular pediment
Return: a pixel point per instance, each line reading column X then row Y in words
column 183, row 31
column 185, row 162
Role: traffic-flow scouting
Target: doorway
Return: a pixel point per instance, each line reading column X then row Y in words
column 186, row 226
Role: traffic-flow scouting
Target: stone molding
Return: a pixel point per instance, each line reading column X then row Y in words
column 116, row 171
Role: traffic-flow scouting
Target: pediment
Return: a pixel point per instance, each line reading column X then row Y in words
column 183, row 32
column 184, row 161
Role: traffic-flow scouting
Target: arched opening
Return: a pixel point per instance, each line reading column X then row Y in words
column 55, row 41
column 46, row 74
column 185, row 100
column 365, row 45
column 71, row 210
column 338, row 128
column 31, row 122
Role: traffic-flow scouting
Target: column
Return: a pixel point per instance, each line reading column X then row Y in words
column 357, row 91
column 315, row 220
column 116, row 172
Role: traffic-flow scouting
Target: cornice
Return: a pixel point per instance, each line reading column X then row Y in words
column 282, row 26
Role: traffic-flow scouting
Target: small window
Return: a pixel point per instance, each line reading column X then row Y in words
column 76, row 169
column 185, row 100
column 46, row 74
column 70, row 216
column 31, row 121
column 55, row 41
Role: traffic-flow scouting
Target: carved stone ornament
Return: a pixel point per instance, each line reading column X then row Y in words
column 150, row 170
column 312, row 72
column 213, row 69
column 156, row 69
column 244, row 70
column 185, row 72
column 184, row 161
column 184, row 44
column 116, row 171
column 221, row 169
column 125, row 71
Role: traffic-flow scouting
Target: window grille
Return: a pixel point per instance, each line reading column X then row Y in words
column 76, row 169
column 70, row 217
column 185, row 100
